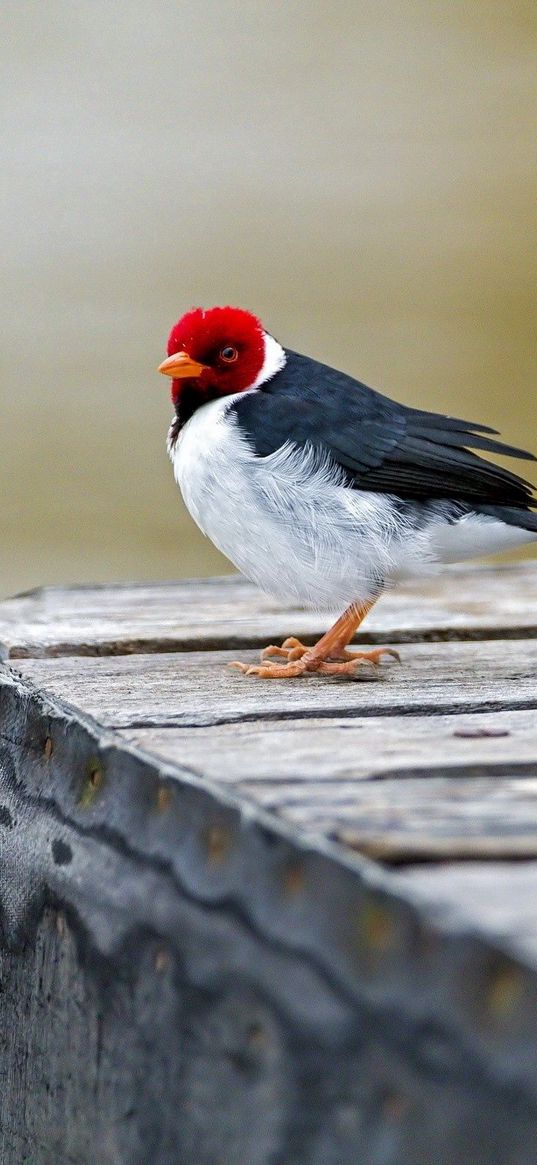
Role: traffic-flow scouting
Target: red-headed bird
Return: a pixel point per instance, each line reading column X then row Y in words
column 321, row 490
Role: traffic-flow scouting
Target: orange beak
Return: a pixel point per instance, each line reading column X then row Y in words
column 180, row 365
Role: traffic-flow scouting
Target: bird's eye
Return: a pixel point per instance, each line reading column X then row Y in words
column 228, row 354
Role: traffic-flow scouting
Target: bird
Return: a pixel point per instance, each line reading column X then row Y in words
column 322, row 490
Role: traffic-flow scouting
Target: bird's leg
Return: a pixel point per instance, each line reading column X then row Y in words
column 329, row 656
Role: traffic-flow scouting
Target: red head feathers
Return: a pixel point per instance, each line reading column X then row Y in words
column 214, row 352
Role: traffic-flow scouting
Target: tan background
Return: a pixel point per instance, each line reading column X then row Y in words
column 359, row 174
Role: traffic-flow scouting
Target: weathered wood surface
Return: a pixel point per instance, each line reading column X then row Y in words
column 338, row 757
column 477, row 602
column 316, row 751
column 204, row 838
column 198, row 689
column 481, row 794
column 499, row 897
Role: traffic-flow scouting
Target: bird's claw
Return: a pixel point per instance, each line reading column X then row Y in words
column 271, row 671
column 300, row 664
column 375, row 655
column 291, row 648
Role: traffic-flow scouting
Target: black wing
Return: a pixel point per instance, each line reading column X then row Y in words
column 384, row 446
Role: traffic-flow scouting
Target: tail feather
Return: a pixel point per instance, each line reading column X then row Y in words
column 513, row 516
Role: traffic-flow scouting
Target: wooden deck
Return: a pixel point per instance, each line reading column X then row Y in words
column 343, row 872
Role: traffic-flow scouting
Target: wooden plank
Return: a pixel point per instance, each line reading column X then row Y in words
column 291, row 987
column 396, row 789
column 180, row 885
column 497, row 898
column 216, row 613
column 289, row 767
column 409, row 818
column 196, row 688
column 312, row 752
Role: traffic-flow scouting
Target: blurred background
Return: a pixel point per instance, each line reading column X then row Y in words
column 361, row 175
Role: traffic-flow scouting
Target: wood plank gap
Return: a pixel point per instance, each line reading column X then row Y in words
column 236, row 642
column 416, row 852
column 333, row 713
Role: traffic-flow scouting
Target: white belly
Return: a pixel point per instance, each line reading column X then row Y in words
column 290, row 524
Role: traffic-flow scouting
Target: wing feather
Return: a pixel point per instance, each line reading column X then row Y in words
column 384, row 446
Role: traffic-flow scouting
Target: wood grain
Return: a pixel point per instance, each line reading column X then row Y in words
column 310, row 752
column 429, row 767
column 196, row 688
column 398, row 789
column 464, row 602
column 407, row 818
column 434, row 759
column 497, row 898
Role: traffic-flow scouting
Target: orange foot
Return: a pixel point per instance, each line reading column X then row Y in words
column 292, row 648
column 301, row 659
column 329, row 656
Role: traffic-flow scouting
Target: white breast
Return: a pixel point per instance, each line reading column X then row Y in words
column 287, row 521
